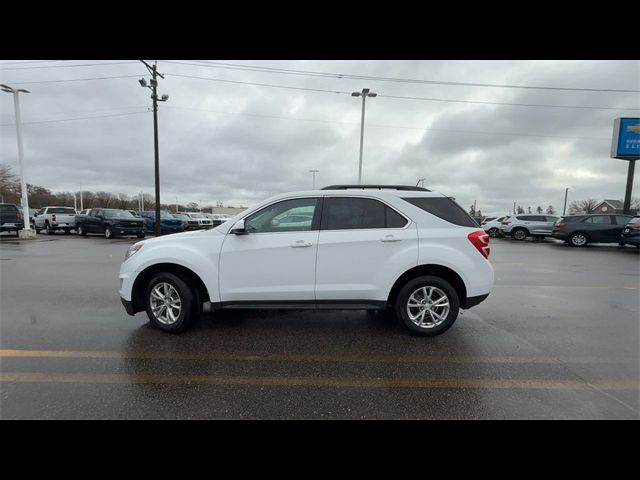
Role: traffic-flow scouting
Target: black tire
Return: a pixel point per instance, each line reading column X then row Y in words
column 81, row 231
column 400, row 306
column 37, row 230
column 189, row 311
column 578, row 239
column 108, row 233
column 519, row 234
column 48, row 229
column 494, row 232
column 66, row 231
column 141, row 235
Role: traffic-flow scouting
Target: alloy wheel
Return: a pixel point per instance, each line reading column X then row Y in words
column 165, row 303
column 428, row 307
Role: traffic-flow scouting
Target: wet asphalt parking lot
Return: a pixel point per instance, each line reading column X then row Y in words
column 558, row 338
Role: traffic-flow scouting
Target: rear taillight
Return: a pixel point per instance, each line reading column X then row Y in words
column 18, row 216
column 480, row 240
column 560, row 225
column 53, row 217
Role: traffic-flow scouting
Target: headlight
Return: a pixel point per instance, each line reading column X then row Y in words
column 132, row 250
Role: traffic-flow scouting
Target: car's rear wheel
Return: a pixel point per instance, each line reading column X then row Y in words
column 493, row 232
column 81, row 231
column 427, row 305
column 519, row 234
column 171, row 305
column 49, row 230
column 578, row 239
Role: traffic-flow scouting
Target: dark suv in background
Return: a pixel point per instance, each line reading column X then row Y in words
column 10, row 218
column 580, row 230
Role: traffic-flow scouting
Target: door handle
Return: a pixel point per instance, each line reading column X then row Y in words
column 300, row 244
column 390, row 238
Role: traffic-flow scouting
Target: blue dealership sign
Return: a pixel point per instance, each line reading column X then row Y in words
column 626, row 139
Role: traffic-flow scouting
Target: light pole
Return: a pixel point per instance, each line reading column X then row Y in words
column 566, row 192
column 26, row 232
column 364, row 94
column 314, row 177
column 154, row 96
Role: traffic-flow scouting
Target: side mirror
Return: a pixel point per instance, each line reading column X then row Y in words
column 238, row 228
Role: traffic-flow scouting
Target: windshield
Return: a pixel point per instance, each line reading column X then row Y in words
column 196, row 215
column 117, row 214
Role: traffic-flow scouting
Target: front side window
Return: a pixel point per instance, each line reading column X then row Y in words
column 294, row 215
column 344, row 213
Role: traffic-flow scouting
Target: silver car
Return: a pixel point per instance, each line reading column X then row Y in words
column 527, row 225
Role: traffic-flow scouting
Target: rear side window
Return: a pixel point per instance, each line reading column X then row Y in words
column 551, row 219
column 8, row 209
column 444, row 208
column 345, row 213
column 599, row 220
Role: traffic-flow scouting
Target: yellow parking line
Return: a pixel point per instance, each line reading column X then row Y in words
column 248, row 357
column 336, row 382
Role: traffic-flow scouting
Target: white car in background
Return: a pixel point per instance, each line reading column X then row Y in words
column 491, row 225
column 203, row 221
column 374, row 247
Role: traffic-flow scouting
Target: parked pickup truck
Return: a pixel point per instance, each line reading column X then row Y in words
column 51, row 219
column 110, row 222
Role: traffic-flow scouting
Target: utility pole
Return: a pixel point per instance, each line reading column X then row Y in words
column 627, row 195
column 26, row 231
column 81, row 206
column 364, row 94
column 564, row 209
column 154, row 96
column 314, row 177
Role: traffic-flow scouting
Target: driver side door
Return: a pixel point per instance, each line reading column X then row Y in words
column 274, row 262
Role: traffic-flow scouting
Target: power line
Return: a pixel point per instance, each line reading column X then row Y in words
column 285, row 71
column 74, row 118
column 403, row 97
column 258, row 84
column 388, row 126
column 73, row 80
column 541, row 105
column 31, row 61
column 68, row 66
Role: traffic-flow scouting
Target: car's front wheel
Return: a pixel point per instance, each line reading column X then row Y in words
column 107, row 232
column 427, row 305
column 49, row 230
column 171, row 305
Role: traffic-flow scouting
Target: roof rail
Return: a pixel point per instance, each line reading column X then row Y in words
column 377, row 187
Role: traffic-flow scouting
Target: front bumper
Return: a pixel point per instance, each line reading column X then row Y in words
column 128, row 306
column 121, row 230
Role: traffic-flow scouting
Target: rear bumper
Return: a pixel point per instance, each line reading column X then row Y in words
column 9, row 227
column 473, row 301
column 559, row 234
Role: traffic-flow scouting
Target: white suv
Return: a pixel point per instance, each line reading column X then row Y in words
column 363, row 247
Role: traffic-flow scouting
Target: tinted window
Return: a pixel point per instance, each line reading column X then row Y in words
column 444, row 208
column 275, row 218
column 622, row 219
column 62, row 210
column 393, row 219
column 8, row 209
column 599, row 220
column 551, row 219
column 526, row 218
column 117, row 214
column 634, row 221
column 359, row 213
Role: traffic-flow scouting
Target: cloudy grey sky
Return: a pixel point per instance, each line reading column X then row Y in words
column 239, row 143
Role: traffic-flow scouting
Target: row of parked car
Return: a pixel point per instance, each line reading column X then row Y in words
column 109, row 222
column 575, row 230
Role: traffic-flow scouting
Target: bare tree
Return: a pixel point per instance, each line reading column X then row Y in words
column 583, row 206
column 519, row 210
column 551, row 210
